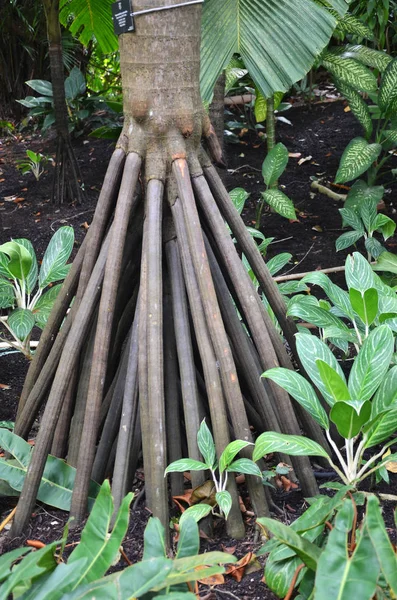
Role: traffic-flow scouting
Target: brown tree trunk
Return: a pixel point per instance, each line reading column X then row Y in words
column 67, row 178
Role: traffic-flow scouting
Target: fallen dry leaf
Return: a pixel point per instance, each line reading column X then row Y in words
column 230, row 549
column 347, row 109
column 294, row 154
column 85, row 225
column 18, row 200
column 303, row 160
column 237, row 570
column 4, row 386
column 213, row 579
column 204, row 493
column 9, row 198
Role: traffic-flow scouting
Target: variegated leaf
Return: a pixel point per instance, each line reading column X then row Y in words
column 293, row 445
column 350, row 71
column 53, row 267
column 280, row 203
column 368, row 56
column 356, row 159
column 359, row 274
column 388, row 87
column 357, row 105
column 386, row 396
column 274, row 164
column 21, row 321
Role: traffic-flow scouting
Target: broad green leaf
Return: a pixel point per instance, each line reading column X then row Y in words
column 8, row 559
column 224, row 501
column 349, row 24
column 189, row 540
column 373, row 247
column 365, row 304
column 16, row 446
column 361, row 193
column 44, row 304
column 260, row 107
column 239, row 197
column 310, row 349
column 358, row 272
column 338, row 297
column 75, row 84
column 301, row 390
column 293, row 445
column 346, row 419
column 132, row 582
column 234, row 71
column 383, row 428
column 279, row 573
column 386, row 396
column 381, row 545
column 206, row 444
column 280, row 203
column 371, row 364
column 7, row 294
column 20, row 261
column 246, row 466
column 385, row 225
column 31, row 278
column 388, row 87
column 308, row 552
column 386, row 262
column 357, row 105
column 230, row 452
column 243, row 28
column 87, row 20
column 368, row 56
column 314, row 314
column 279, row 261
column 154, row 539
column 197, row 512
column 57, row 254
column 21, row 321
column 350, row 216
column 59, row 582
column 350, row 72
column 274, row 164
column 339, row 575
column 390, row 135
column 40, row 86
column 292, row 287
column 334, row 382
column 185, row 464
column 368, row 212
column 356, row 159
column 348, row 239
column 98, row 544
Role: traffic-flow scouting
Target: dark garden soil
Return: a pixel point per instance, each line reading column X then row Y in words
column 318, row 135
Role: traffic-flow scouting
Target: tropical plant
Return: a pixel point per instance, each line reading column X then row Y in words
column 362, row 408
column 323, row 554
column 57, row 482
column 379, row 17
column 226, row 465
column 33, row 163
column 44, row 574
column 19, row 278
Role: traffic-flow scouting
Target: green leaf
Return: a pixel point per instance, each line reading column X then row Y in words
column 185, row 464
column 189, row 539
column 21, row 321
column 360, row 193
column 347, row 420
column 350, row 24
column 386, row 262
column 87, row 20
column 20, row 261
column 197, row 512
column 292, row 287
column 333, row 381
column 385, row 225
column 243, row 26
column 350, row 72
column 8, row 559
column 293, row 445
column 357, row 105
column 373, row 247
column 390, row 135
column 53, row 586
column 279, row 261
column 338, row 297
column 365, row 304
column 97, row 544
column 274, row 164
column 388, row 87
column 340, row 575
column 301, row 390
column 368, row 56
column 239, row 197
column 280, row 203
column 206, row 444
column 260, row 107
column 320, row 317
column 371, row 364
column 224, row 501
column 310, row 350
column 31, row 278
column 383, row 428
column 308, row 552
column 75, row 84
column 44, row 304
column 32, row 566
column 357, row 157
column 386, row 396
column 230, row 452
column 348, row 239
column 57, row 254
column 7, row 294
column 40, row 86
column 246, row 466
column 154, row 539
column 350, row 216
column 381, row 545
column 358, row 272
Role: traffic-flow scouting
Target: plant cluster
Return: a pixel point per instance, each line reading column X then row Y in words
column 27, row 292
column 33, row 163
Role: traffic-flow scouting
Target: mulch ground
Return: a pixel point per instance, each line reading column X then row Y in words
column 321, row 133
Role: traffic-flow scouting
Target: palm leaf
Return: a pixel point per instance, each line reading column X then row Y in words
column 88, row 19
column 278, row 41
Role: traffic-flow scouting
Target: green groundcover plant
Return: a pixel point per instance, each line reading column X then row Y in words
column 42, row 574
column 27, row 292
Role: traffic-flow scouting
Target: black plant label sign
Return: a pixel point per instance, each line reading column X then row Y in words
column 123, row 21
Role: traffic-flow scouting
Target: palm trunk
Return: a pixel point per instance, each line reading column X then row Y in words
column 67, row 178
column 161, row 138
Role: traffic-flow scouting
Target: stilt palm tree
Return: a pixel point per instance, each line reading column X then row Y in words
column 152, row 342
